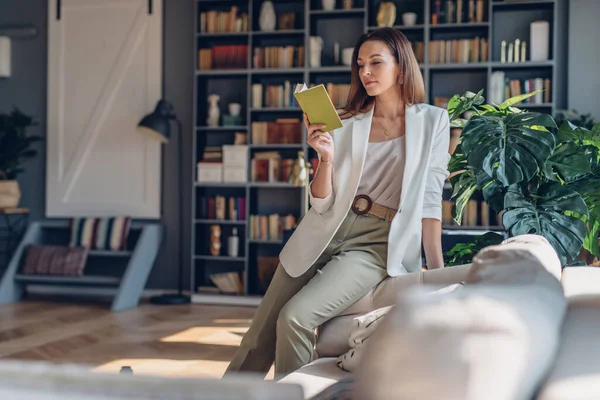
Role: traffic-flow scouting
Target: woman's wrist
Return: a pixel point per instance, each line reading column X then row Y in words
column 326, row 160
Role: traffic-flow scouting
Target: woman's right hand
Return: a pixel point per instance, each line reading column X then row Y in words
column 321, row 141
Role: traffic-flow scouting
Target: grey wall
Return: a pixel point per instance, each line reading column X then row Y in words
column 584, row 57
column 27, row 90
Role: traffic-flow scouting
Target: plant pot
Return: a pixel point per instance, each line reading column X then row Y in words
column 10, row 194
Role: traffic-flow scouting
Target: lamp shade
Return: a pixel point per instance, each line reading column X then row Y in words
column 156, row 124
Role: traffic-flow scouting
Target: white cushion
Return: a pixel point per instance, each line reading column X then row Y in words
column 494, row 339
column 316, row 376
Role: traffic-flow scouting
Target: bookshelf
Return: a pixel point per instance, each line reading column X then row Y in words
column 248, row 60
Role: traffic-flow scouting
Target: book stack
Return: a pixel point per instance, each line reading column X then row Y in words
column 235, row 163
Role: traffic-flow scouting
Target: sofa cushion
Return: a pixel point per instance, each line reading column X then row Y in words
column 333, row 335
column 576, row 371
column 501, row 332
column 47, row 381
column 316, row 376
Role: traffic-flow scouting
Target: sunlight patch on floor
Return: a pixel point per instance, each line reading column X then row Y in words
column 165, row 367
column 224, row 336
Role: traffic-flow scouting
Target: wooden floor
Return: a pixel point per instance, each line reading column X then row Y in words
column 184, row 341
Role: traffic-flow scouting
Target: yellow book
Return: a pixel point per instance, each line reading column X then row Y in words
column 318, row 107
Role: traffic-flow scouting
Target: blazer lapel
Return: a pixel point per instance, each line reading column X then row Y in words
column 361, row 127
column 412, row 140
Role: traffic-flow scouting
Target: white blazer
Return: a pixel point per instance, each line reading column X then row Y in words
column 426, row 168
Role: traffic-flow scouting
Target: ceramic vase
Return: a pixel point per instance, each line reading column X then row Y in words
column 267, row 18
column 213, row 110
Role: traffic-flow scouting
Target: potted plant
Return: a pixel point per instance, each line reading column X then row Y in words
column 15, row 149
column 539, row 177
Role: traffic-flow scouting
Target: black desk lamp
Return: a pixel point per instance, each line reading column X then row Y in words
column 157, row 125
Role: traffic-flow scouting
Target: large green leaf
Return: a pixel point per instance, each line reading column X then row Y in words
column 517, row 99
column 493, row 191
column 458, row 105
column 569, row 161
column 463, row 185
column 569, row 132
column 548, row 213
column 510, row 149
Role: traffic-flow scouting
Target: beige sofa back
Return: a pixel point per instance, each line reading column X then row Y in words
column 333, row 335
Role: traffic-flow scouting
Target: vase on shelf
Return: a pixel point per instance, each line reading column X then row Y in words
column 328, row 5
column 213, row 110
column 268, row 18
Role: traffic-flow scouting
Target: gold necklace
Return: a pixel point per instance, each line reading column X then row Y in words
column 386, row 132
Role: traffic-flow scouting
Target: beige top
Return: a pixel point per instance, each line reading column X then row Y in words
column 382, row 175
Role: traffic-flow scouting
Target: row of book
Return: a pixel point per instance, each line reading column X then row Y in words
column 222, row 208
column 273, row 96
column 270, row 227
column 214, row 21
column 280, row 131
column 457, row 11
column 475, row 214
column 458, row 50
column 227, row 282
column 502, row 88
column 223, row 57
column 278, row 57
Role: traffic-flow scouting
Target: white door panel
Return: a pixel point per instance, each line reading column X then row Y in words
column 104, row 74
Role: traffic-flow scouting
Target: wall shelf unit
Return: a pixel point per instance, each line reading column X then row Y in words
column 299, row 20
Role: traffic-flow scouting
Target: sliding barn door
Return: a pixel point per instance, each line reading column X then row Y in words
column 104, row 75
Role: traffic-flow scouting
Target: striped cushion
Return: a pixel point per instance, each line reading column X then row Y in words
column 100, row 233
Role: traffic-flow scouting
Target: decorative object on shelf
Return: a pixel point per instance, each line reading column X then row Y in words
column 157, row 125
column 336, row 52
column 10, row 193
column 233, row 244
column 215, row 240
column 386, row 16
column 539, row 37
column 523, row 57
column 15, row 150
column 299, row 173
column 348, row 4
column 509, row 57
column 213, row 110
column 268, row 18
column 347, row 55
column 409, row 18
column 315, row 48
column 235, row 109
column 517, row 49
column 5, row 61
column 537, row 175
column 328, row 5
column 234, row 118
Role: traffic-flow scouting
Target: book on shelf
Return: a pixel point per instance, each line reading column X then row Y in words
column 318, row 107
column 457, row 11
column 458, row 50
column 502, row 88
column 226, row 56
column 228, row 282
column 278, row 57
column 270, row 227
column 273, row 96
column 213, row 21
column 475, row 214
column 280, row 131
column 219, row 207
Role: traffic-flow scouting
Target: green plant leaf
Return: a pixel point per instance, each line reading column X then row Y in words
column 516, row 99
column 463, row 185
column 463, row 253
column 493, row 191
column 457, row 105
column 547, row 213
column 507, row 148
column 569, row 161
column 458, row 123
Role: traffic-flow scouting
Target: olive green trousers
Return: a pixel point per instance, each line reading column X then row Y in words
column 284, row 326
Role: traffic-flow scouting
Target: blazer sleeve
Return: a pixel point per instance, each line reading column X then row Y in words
column 437, row 172
column 321, row 204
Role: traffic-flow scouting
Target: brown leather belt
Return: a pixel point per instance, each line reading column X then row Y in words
column 363, row 205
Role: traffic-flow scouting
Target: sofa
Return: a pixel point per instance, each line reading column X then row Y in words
column 536, row 328
column 512, row 325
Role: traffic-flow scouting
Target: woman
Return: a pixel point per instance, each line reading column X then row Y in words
column 379, row 182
